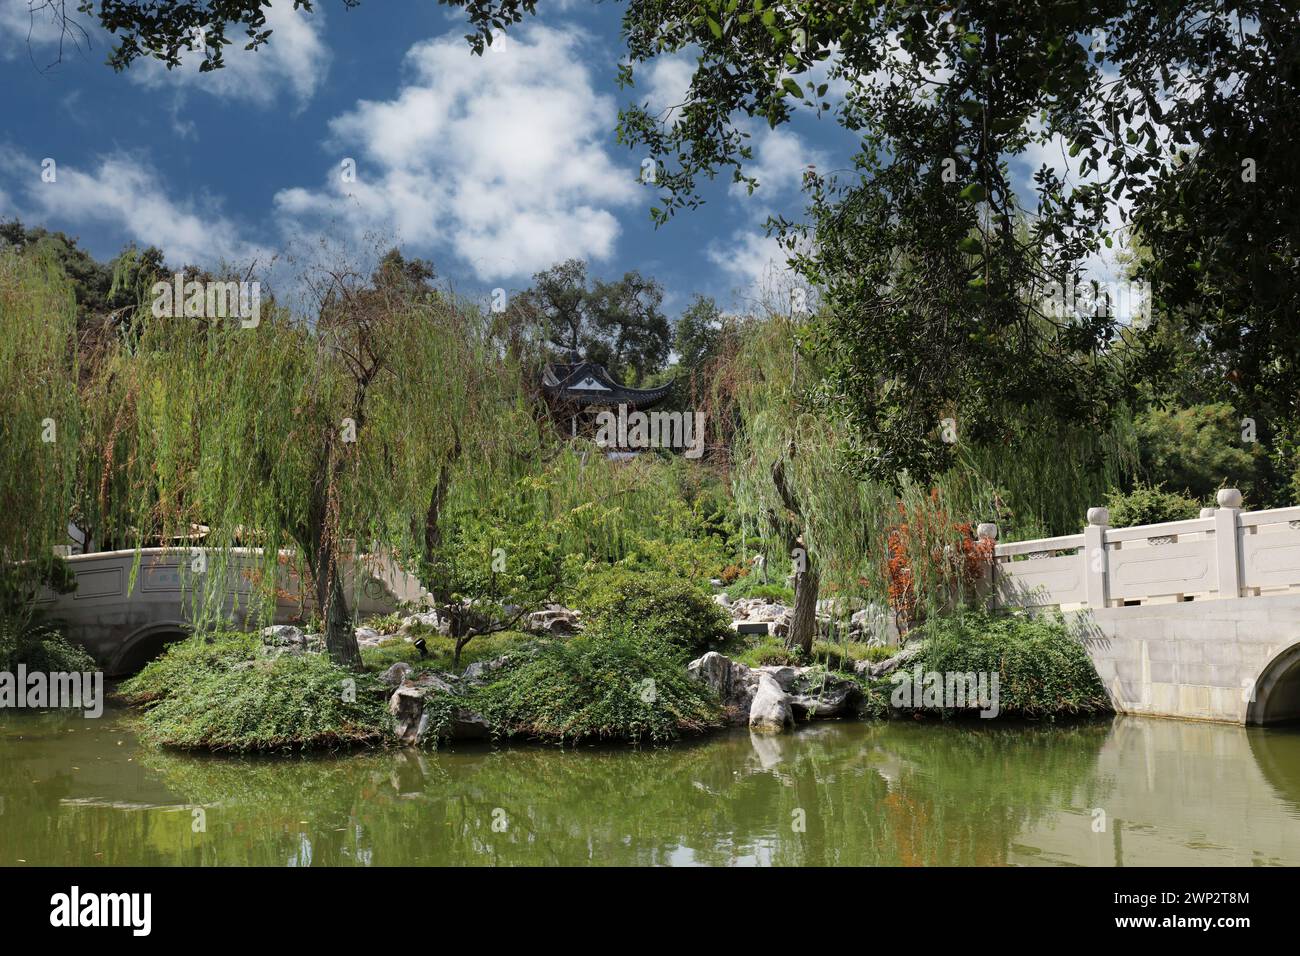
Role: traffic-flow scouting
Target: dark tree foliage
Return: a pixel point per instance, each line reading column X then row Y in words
column 618, row 323
column 167, row 31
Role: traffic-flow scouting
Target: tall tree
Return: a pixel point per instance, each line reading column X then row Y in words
column 617, row 323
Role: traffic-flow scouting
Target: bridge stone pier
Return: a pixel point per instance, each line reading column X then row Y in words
column 1195, row 619
column 125, row 623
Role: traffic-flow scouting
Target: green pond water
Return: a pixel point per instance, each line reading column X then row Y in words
column 1129, row 791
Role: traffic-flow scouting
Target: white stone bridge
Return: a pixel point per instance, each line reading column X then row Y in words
column 1196, row 619
column 124, row 625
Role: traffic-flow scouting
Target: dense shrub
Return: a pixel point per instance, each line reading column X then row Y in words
column 1198, row 449
column 41, row 648
column 1149, row 504
column 1043, row 669
column 655, row 605
column 227, row 694
column 604, row 684
column 932, row 561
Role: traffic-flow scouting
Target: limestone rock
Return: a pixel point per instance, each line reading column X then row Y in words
column 734, row 683
column 820, row 696
column 283, row 635
column 480, row 672
column 784, row 674
column 891, row 664
column 428, row 620
column 396, row 674
column 770, row 712
column 807, row 692
column 411, row 718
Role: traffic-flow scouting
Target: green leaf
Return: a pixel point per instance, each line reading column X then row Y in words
column 971, row 245
column 792, row 87
column 973, row 193
column 715, row 27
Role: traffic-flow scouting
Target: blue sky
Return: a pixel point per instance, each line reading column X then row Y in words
column 493, row 168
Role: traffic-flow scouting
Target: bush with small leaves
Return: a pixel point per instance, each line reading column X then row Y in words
column 655, row 605
column 1149, row 504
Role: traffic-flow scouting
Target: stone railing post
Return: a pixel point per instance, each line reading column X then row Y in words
column 1094, row 557
column 1227, row 551
column 987, row 530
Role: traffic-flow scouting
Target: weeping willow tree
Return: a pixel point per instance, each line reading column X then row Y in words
column 785, row 468
column 38, row 424
column 903, row 542
column 315, row 440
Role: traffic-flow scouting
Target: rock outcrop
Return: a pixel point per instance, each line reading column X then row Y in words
column 734, row 683
column 415, row 702
column 889, row 665
column 806, row 693
column 770, row 712
column 554, row 619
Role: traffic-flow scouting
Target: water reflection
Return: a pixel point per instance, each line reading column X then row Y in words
column 84, row 792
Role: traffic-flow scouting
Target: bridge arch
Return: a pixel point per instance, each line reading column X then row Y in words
column 1277, row 690
column 145, row 644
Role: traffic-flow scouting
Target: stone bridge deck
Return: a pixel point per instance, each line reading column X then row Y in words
column 1196, row 619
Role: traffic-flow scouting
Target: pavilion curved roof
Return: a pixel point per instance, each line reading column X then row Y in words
column 589, row 383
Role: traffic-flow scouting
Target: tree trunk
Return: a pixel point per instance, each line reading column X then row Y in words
column 460, row 643
column 331, row 604
column 803, row 628
column 340, row 637
column 807, row 581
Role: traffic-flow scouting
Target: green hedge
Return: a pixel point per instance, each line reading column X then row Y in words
column 654, row 605
column 41, row 648
column 1043, row 669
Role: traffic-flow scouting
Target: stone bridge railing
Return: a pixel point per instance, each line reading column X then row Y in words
column 128, row 604
column 1225, row 553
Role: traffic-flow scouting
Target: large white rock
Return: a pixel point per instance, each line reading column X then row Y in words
column 770, row 712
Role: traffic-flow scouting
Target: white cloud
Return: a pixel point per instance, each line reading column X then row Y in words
column 500, row 160
column 757, row 267
column 294, row 61
column 126, row 194
column 780, row 159
column 665, row 82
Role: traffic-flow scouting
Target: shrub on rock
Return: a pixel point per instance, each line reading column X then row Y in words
column 655, row 605
column 1043, row 669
